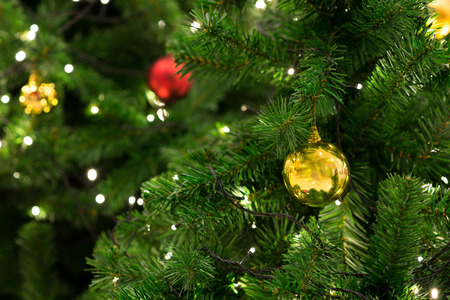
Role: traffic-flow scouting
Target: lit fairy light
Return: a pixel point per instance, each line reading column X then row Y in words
column 338, row 202
column 359, row 86
column 94, row 109
column 31, row 35
column 168, row 255
column 226, row 129
column 150, row 118
column 21, row 55
column 115, row 279
column 253, row 225
column 295, row 19
column 415, row 290
column 5, row 99
column 434, row 293
column 76, row 0
column 132, row 200
column 175, row 177
column 174, row 227
column 245, row 202
column 297, row 235
column 28, row 140
column 104, row 1
column 148, row 227
column 162, row 114
column 260, row 4
column 161, row 24
column 420, row 258
column 68, row 68
column 100, row 199
column 244, row 108
column 291, row 71
column 252, row 250
column 157, row 102
column 34, row 28
column 195, row 26
column 235, row 284
column 140, row 201
column 16, row 175
column 1, row 144
column 92, row 174
column 444, row 179
column 35, row 210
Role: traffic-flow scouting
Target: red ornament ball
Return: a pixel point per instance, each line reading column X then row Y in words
column 163, row 80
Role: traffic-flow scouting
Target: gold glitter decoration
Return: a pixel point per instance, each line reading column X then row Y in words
column 317, row 173
column 38, row 98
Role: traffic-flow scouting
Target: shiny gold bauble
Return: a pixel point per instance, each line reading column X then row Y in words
column 38, row 98
column 317, row 173
column 442, row 22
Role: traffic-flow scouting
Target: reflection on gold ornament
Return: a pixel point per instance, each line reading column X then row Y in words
column 442, row 21
column 38, row 98
column 317, row 173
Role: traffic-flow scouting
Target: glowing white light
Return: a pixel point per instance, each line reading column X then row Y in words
column 245, row 201
column 162, row 114
column 168, row 255
column 132, row 200
column 235, row 284
column 115, row 279
column 244, row 108
column 195, row 26
column 420, row 258
column 35, row 210
column 150, row 118
column 5, row 99
column 16, row 175
column 21, row 55
column 260, row 4
column 148, row 227
column 434, row 293
column 92, row 174
column 295, row 19
column 252, row 250
column 359, row 86
column 416, row 290
column 27, row 140
column 31, row 35
column 337, row 202
column 161, row 24
column 445, row 30
column 68, row 68
column 253, row 225
column 100, row 199
column 95, row 109
column 104, row 1
column 291, row 71
column 174, row 227
column 140, row 201
column 34, row 28
column 297, row 235
column 444, row 179
column 175, row 177
column 0, row 144
column 76, row 0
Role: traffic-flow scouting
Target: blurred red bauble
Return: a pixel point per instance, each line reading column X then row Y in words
column 163, row 80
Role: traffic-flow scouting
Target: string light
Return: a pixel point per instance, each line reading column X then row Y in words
column 420, row 258
column 252, row 250
column 131, row 200
column 338, row 202
column 174, row 227
column 434, row 293
column 92, row 174
column 1, row 144
column 34, row 28
column 104, row 1
column 21, row 55
column 253, row 225
column 291, row 71
column 76, row 0
column 68, row 68
column 195, row 26
column 28, row 140
column 31, row 35
column 175, row 177
column 161, row 24
column 444, row 179
column 168, row 255
column 226, row 129
column 150, row 118
column 415, row 290
column 162, row 114
column 260, row 4
column 244, row 108
column 16, row 175
column 359, row 86
column 115, row 279
column 94, row 109
column 100, row 199
column 35, row 210
column 5, row 99
column 140, row 201
column 148, row 227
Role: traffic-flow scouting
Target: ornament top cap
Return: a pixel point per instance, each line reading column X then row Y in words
column 314, row 136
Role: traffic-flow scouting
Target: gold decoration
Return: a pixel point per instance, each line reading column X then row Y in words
column 38, row 99
column 316, row 173
column 442, row 22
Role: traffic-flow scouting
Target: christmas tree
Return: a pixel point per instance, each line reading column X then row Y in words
column 308, row 160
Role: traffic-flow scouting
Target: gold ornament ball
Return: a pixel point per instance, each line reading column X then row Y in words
column 317, row 173
column 442, row 22
column 38, row 98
